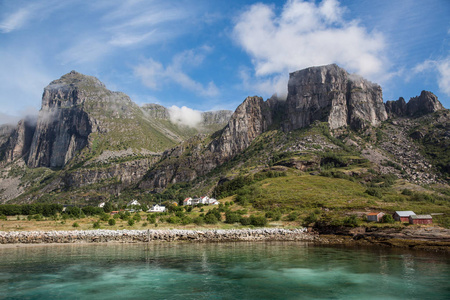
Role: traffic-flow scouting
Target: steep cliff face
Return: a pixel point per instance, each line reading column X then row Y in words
column 20, row 140
column 330, row 94
column 250, row 119
column 63, row 125
column 195, row 158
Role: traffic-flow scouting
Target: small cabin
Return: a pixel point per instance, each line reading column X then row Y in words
column 375, row 217
column 403, row 216
column 420, row 219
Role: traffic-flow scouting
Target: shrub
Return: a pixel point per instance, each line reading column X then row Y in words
column 275, row 215
column 75, row 224
column 407, row 192
column 104, row 217
column 258, row 220
column 351, row 221
column 144, row 224
column 151, row 218
column 130, row 222
column 3, row 217
column 387, row 219
column 199, row 221
column 211, row 219
column 232, row 217
column 137, row 217
column 245, row 221
column 174, row 220
column 96, row 224
column 311, row 218
column 112, row 222
column 292, row 216
column 374, row 192
column 186, row 220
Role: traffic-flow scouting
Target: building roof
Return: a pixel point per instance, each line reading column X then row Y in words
column 421, row 217
column 374, row 214
column 405, row 213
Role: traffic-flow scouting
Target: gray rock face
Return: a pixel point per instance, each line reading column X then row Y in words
column 396, row 108
column 63, row 126
column 424, row 104
column 216, row 117
column 330, row 94
column 156, row 111
column 192, row 158
column 418, row 106
column 20, row 141
column 250, row 119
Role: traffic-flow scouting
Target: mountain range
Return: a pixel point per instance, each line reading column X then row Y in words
column 89, row 144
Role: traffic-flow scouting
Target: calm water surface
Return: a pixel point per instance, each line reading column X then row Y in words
column 221, row 271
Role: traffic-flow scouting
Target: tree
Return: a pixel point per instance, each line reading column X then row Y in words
column 108, row 207
column 112, row 222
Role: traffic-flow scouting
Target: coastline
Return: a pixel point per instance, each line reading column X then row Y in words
column 146, row 236
column 430, row 239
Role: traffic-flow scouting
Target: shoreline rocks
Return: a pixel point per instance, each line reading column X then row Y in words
column 136, row 236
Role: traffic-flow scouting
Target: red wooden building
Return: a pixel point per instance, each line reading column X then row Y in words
column 403, row 216
column 420, row 219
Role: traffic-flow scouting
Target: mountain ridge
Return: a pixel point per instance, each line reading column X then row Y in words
column 94, row 151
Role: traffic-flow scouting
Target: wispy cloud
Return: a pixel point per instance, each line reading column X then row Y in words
column 154, row 75
column 306, row 34
column 441, row 68
column 125, row 24
column 16, row 20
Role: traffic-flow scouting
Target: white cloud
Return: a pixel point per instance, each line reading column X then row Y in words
column 154, row 75
column 185, row 116
column 307, row 34
column 441, row 68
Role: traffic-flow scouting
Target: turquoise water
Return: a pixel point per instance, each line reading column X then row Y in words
column 221, row 271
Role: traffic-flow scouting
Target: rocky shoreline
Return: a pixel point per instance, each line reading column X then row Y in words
column 139, row 236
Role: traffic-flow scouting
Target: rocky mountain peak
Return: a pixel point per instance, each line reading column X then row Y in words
column 329, row 94
column 73, row 78
column 418, row 106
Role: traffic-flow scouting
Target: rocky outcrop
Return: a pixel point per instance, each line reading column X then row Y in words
column 156, row 111
column 250, row 119
column 15, row 141
column 396, row 108
column 330, row 94
column 195, row 158
column 217, row 117
column 418, row 106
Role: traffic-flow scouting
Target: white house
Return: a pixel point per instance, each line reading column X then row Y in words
column 133, row 202
column 157, row 208
column 187, row 201
column 213, row 201
column 204, row 200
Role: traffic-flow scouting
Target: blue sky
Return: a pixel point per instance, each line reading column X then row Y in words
column 209, row 55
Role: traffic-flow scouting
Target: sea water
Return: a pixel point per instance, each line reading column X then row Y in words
column 275, row 270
